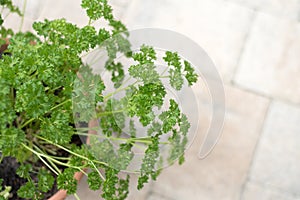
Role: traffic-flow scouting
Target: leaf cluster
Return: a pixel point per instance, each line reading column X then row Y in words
column 46, row 91
column 179, row 71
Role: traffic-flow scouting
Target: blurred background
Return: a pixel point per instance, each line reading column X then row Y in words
column 255, row 45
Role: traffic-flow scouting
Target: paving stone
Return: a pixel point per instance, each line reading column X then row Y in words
column 277, row 161
column 68, row 9
column 155, row 196
column 56, row 9
column 289, row 9
column 75, row 13
column 222, row 174
column 33, row 8
column 260, row 191
column 217, row 26
column 120, row 2
column 270, row 63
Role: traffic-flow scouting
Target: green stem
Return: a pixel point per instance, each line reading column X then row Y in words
column 76, row 196
column 57, row 172
column 111, row 112
column 69, row 151
column 98, row 171
column 62, row 103
column 146, row 140
column 48, row 89
column 6, row 16
column 49, row 160
column 60, row 158
column 23, row 15
column 40, row 157
column 26, row 123
column 34, row 74
column 118, row 90
column 164, row 77
column 87, row 53
column 164, row 71
column 32, row 119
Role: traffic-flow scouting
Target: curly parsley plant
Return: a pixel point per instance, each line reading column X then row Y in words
column 43, row 80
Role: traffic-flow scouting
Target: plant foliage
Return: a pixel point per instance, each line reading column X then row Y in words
column 43, row 80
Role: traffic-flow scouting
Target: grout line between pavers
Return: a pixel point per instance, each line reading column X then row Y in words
column 264, row 11
column 261, row 94
column 152, row 192
column 243, row 48
column 255, row 154
column 298, row 10
column 159, row 195
column 276, row 189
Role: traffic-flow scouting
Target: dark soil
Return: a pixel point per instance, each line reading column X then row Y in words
column 9, row 165
column 8, row 168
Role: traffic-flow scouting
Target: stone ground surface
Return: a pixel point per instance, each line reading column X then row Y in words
column 255, row 45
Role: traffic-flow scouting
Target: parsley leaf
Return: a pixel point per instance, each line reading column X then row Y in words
column 57, row 128
column 94, row 180
column 11, row 140
column 145, row 70
column 45, row 180
column 149, row 161
column 24, row 171
column 66, row 181
column 28, row 191
column 142, row 100
column 176, row 71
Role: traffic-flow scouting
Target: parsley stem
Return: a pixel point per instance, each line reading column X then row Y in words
column 76, row 196
column 27, row 122
column 49, row 160
column 62, row 103
column 48, row 89
column 23, row 15
column 142, row 140
column 32, row 119
column 6, row 16
column 118, row 90
column 69, row 151
column 40, row 157
column 111, row 112
column 164, row 77
column 87, row 53
column 146, row 140
column 97, row 171
column 164, row 71
column 55, row 172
